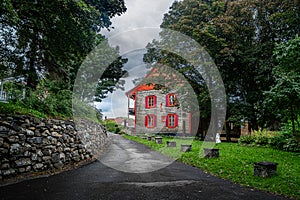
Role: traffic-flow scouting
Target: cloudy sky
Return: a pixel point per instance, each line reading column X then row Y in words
column 132, row 32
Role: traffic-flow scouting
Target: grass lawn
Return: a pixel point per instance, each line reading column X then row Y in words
column 236, row 163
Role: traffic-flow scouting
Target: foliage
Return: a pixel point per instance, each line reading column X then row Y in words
column 15, row 90
column 48, row 99
column 112, row 126
column 50, row 38
column 240, row 36
column 281, row 141
column 284, row 95
column 236, row 163
column 12, row 108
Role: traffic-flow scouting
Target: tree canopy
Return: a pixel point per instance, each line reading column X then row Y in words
column 240, row 36
column 51, row 38
column 43, row 44
column 284, row 96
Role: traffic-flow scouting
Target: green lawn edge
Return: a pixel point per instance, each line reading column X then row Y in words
column 236, row 164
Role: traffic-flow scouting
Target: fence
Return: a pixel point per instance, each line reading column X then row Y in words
column 3, row 96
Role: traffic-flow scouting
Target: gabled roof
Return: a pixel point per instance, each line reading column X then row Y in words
column 131, row 93
column 141, row 87
column 158, row 78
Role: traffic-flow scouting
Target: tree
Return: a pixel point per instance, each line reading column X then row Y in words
column 185, row 17
column 284, row 95
column 240, row 36
column 51, row 38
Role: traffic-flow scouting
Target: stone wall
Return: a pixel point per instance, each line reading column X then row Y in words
column 29, row 144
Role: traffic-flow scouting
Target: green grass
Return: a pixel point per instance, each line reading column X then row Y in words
column 236, row 163
column 14, row 109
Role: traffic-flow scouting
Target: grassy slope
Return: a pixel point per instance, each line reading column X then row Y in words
column 9, row 108
column 236, row 164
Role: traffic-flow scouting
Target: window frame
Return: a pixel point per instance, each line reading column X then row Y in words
column 150, row 117
column 168, row 97
column 168, row 118
column 153, row 100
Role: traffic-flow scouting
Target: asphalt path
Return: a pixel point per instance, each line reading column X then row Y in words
column 111, row 177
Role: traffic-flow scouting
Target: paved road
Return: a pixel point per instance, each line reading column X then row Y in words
column 98, row 181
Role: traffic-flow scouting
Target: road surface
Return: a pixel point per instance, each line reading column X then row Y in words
column 97, row 181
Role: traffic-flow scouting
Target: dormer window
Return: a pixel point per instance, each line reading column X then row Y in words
column 150, row 101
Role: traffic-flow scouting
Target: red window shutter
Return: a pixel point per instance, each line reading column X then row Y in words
column 167, row 121
column 167, row 100
column 155, row 101
column 154, row 120
column 146, row 102
column 176, row 120
column 146, row 121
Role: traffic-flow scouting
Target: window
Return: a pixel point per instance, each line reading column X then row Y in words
column 171, row 100
column 150, row 121
column 172, row 121
column 150, row 101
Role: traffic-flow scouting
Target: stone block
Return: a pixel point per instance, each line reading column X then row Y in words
column 186, row 147
column 29, row 132
column 158, row 140
column 5, row 166
column 59, row 165
column 23, row 162
column 8, row 172
column 171, row 144
column 15, row 149
column 211, row 153
column 265, row 169
column 38, row 166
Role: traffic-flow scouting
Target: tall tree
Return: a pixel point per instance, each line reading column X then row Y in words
column 240, row 36
column 250, row 30
column 51, row 38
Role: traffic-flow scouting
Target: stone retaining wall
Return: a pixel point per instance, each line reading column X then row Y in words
column 29, row 144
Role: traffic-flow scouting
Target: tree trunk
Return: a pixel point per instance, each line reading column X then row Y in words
column 32, row 77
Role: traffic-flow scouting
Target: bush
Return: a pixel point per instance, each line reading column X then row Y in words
column 292, row 145
column 52, row 104
column 111, row 126
column 247, row 139
column 277, row 140
column 258, row 137
column 46, row 99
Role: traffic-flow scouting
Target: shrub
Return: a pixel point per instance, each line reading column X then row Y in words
column 112, row 126
column 246, row 139
column 292, row 145
column 45, row 99
column 277, row 140
column 258, row 137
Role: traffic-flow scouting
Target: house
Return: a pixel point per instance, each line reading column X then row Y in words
column 157, row 107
